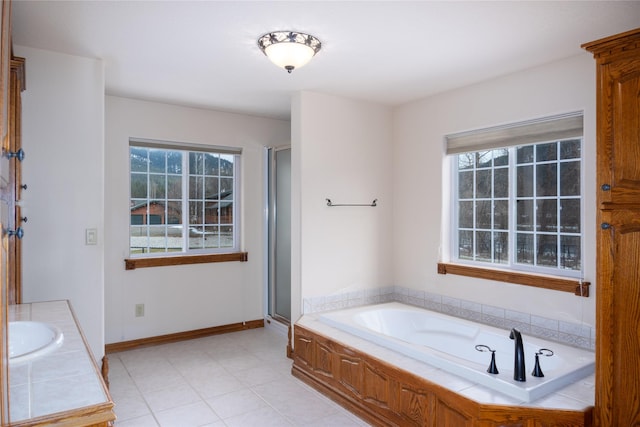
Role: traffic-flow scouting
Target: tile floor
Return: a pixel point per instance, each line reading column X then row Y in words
column 240, row 379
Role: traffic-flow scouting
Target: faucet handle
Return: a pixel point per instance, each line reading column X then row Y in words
column 493, row 368
column 537, row 371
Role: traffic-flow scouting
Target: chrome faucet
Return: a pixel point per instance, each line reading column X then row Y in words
column 518, row 360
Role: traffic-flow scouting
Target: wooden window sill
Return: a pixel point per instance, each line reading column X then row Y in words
column 133, row 263
column 539, row 281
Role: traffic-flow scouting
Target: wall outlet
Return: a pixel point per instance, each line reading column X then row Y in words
column 139, row 310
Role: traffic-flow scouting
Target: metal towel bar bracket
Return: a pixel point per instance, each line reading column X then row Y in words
column 372, row 204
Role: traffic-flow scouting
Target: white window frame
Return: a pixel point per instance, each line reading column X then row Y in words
column 186, row 149
column 512, row 230
column 562, row 127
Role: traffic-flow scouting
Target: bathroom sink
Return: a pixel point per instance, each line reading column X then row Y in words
column 31, row 340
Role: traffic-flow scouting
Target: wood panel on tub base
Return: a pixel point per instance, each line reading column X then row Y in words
column 385, row 395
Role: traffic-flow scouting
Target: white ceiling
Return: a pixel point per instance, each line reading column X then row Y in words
column 204, row 53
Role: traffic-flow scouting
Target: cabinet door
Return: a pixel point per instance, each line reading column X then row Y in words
column 618, row 305
column 619, row 146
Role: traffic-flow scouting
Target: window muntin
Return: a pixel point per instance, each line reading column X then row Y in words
column 520, row 207
column 171, row 188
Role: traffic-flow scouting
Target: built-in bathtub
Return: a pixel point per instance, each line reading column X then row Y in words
column 449, row 343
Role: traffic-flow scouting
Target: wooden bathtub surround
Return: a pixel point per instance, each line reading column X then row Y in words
column 385, row 395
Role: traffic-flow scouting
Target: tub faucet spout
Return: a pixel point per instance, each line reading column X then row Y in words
column 518, row 361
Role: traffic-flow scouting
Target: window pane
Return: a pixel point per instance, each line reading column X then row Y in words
column 195, row 212
column 501, row 182
column 570, row 253
column 501, row 248
column 483, row 159
column 211, row 213
column 483, row 246
column 211, row 237
column 501, row 157
column 525, row 215
column 174, row 162
column 465, row 214
column 138, row 240
column 156, row 212
column 196, row 163
column 226, row 165
column 546, row 152
column 211, row 188
column 525, row 181
column 570, row 216
column 139, row 158
column 466, row 161
column 196, row 187
column 501, row 215
column 525, row 251
column 546, row 180
column 570, row 149
column 483, row 183
column 157, row 239
column 226, row 237
column 547, row 215
column 483, row 214
column 138, row 185
column 226, row 188
column 155, row 219
column 547, row 253
column 174, row 212
column 174, row 187
column 524, row 154
column 211, row 164
column 157, row 161
column 465, row 185
column 196, row 238
column 137, row 219
column 465, row 244
column 226, row 213
column 157, row 187
column 570, row 178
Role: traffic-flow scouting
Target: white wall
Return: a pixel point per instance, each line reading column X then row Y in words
column 420, row 175
column 63, row 137
column 182, row 298
column 341, row 150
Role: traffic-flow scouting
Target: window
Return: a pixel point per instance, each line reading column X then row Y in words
column 183, row 200
column 519, row 206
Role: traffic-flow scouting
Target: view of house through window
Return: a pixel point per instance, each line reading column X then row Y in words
column 182, row 201
column 520, row 207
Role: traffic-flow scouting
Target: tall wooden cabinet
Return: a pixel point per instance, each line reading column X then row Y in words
column 617, row 400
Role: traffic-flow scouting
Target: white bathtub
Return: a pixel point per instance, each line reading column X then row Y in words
column 449, row 343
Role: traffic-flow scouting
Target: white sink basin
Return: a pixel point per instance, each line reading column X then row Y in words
column 31, row 340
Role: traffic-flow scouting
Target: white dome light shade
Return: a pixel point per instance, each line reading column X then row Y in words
column 289, row 49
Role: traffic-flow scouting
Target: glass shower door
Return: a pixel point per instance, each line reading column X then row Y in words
column 280, row 234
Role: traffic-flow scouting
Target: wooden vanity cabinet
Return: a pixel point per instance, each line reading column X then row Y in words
column 617, row 401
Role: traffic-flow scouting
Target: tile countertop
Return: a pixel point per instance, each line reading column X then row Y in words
column 65, row 380
column 577, row 396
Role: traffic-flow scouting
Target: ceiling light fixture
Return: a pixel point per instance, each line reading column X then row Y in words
column 289, row 49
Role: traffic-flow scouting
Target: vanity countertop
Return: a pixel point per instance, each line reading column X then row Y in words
column 64, row 387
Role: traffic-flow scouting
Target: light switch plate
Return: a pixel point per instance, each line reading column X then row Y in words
column 91, row 236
